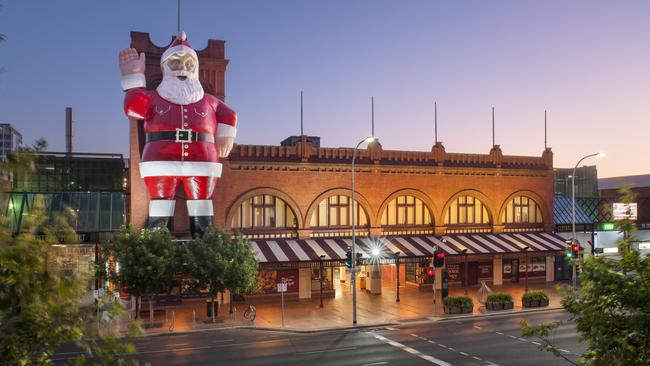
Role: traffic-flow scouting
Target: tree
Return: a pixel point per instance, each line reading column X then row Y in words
column 206, row 260
column 611, row 310
column 147, row 261
column 41, row 302
column 241, row 273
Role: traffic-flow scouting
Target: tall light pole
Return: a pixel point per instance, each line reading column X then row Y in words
column 397, row 264
column 354, row 268
column 321, row 279
column 466, row 280
column 573, row 211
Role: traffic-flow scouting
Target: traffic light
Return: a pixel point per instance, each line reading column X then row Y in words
column 575, row 250
column 359, row 257
column 568, row 253
column 430, row 272
column 348, row 259
column 438, row 258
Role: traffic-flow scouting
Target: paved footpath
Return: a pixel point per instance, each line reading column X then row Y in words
column 306, row 315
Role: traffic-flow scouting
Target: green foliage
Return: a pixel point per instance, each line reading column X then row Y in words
column 611, row 310
column 498, row 297
column 458, row 301
column 42, row 303
column 241, row 273
column 534, row 296
column 206, row 260
column 545, row 333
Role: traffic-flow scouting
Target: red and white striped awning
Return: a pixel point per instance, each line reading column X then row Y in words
column 310, row 250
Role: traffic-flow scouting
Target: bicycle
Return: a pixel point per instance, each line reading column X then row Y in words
column 250, row 313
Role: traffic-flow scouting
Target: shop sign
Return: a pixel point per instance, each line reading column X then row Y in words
column 453, row 272
column 645, row 245
column 623, row 211
column 282, row 287
column 485, row 270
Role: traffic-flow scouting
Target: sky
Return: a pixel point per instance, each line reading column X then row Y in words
column 586, row 62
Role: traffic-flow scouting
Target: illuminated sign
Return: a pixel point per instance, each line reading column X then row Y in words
column 607, row 226
column 622, row 211
column 610, row 250
column 644, row 245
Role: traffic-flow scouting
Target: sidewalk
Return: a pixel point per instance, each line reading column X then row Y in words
column 336, row 312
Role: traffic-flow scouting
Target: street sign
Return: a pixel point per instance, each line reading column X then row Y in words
column 282, row 287
column 644, row 245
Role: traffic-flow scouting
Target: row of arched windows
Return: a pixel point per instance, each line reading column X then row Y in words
column 465, row 213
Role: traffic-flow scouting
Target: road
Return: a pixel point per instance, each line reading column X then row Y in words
column 472, row 341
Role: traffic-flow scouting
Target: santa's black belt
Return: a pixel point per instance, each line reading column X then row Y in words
column 180, row 136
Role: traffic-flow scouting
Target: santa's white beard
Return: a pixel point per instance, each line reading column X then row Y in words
column 177, row 91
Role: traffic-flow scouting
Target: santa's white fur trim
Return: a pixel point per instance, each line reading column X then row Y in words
column 178, row 49
column 180, row 169
column 161, row 208
column 200, row 208
column 224, row 130
column 130, row 81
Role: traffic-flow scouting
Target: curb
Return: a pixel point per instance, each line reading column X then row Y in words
column 322, row 330
column 495, row 314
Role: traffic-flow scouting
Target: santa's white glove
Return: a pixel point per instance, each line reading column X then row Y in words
column 132, row 68
column 224, row 145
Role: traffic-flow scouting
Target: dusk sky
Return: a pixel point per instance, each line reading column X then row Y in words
column 586, row 62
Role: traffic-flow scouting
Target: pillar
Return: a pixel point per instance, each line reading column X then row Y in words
column 343, row 273
column 497, row 270
column 438, row 278
column 304, row 283
column 550, row 268
column 375, row 279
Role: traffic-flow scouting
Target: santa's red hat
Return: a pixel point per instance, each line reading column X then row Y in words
column 180, row 45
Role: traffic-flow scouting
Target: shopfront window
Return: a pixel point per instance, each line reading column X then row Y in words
column 467, row 210
column 327, row 279
column 522, row 210
column 336, row 211
column 406, row 211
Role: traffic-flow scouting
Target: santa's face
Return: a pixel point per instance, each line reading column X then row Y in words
column 180, row 84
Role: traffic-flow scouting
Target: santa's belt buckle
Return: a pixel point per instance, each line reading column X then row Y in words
column 183, row 135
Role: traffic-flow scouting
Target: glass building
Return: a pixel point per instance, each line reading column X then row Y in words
column 586, row 182
column 10, row 139
column 88, row 188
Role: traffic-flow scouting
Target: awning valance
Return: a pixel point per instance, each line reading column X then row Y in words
column 310, row 250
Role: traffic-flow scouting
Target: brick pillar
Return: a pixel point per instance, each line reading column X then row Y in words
column 550, row 268
column 497, row 270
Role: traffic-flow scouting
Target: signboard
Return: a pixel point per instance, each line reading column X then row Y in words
column 282, row 287
column 622, row 211
column 485, row 270
column 268, row 280
column 453, row 271
column 644, row 245
column 610, row 250
column 607, row 226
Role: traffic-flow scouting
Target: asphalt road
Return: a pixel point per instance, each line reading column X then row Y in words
column 474, row 341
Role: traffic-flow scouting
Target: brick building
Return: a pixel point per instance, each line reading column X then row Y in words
column 491, row 211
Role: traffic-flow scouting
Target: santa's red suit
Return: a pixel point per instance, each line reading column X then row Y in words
column 182, row 125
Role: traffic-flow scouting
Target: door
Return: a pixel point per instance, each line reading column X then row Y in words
column 472, row 273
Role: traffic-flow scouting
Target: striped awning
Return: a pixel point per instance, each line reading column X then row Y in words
column 309, row 250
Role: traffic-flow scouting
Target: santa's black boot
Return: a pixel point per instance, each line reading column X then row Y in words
column 158, row 222
column 199, row 225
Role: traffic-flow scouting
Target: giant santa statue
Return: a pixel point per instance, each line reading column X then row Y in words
column 187, row 131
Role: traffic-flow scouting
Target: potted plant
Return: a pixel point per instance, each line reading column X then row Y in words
column 499, row 301
column 458, row 305
column 534, row 299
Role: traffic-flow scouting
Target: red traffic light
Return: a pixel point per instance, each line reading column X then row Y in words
column 575, row 248
column 430, row 272
column 440, row 255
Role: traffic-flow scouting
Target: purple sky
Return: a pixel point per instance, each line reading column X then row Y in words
column 586, row 62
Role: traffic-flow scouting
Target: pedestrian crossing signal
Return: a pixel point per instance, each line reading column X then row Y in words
column 348, row 259
column 430, row 272
column 359, row 258
column 438, row 258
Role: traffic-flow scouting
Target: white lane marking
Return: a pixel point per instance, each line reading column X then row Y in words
column 375, row 363
column 523, row 339
column 432, row 342
column 229, row 340
column 451, row 349
column 387, row 328
column 177, row 344
column 513, row 337
column 325, row 350
column 477, row 358
column 442, row 345
column 499, row 333
column 537, row 343
column 563, row 350
column 413, row 335
column 464, row 354
column 490, row 363
column 477, row 327
column 422, row 338
column 410, row 350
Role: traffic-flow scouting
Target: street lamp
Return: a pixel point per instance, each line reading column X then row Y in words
column 397, row 264
column 573, row 209
column 526, row 254
column 321, row 279
column 354, row 268
column 465, row 279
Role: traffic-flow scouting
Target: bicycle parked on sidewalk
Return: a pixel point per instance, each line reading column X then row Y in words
column 250, row 313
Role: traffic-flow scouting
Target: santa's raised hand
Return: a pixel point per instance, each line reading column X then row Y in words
column 131, row 62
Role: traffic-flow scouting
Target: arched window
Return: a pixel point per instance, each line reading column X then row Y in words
column 264, row 211
column 467, row 210
column 404, row 211
column 522, row 210
column 335, row 211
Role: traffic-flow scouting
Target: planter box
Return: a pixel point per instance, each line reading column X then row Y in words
column 458, row 310
column 535, row 303
column 499, row 305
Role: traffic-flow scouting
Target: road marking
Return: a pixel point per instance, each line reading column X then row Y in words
column 464, row 353
column 523, row 339
column 477, row 358
column 176, row 344
column 413, row 335
column 513, row 337
column 537, row 343
column 432, row 342
column 223, row 340
column 442, row 345
column 563, row 350
column 451, row 349
column 325, row 350
column 413, row 351
column 422, row 338
column 375, row 363
column 387, row 328
column 499, row 333
column 477, row 327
